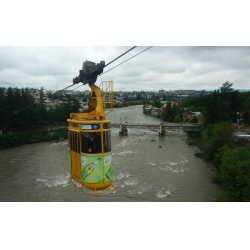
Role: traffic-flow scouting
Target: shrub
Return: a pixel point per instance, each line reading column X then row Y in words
column 61, row 132
column 234, row 171
column 34, row 136
column 194, row 120
column 12, row 140
column 194, row 134
column 190, row 142
column 198, row 154
column 223, row 197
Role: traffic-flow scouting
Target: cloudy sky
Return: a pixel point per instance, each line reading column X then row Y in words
column 160, row 67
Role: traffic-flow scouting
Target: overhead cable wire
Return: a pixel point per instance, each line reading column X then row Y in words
column 109, row 64
column 38, row 102
column 81, row 85
column 62, row 89
column 120, row 56
column 126, row 60
column 118, row 64
column 14, row 113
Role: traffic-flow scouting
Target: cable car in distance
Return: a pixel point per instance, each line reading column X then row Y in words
column 90, row 155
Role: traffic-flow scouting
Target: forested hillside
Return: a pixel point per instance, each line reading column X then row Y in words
column 20, row 112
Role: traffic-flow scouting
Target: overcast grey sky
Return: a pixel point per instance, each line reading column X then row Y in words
column 161, row 67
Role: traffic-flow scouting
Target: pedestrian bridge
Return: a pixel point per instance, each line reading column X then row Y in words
column 161, row 126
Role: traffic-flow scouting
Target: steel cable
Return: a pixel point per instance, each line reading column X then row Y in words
column 120, row 56
column 81, row 85
column 118, row 64
column 36, row 102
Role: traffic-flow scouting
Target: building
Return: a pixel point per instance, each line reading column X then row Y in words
column 241, row 138
column 190, row 115
column 156, row 112
column 49, row 105
column 244, row 129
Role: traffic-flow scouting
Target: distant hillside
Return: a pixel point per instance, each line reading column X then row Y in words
column 240, row 90
column 243, row 90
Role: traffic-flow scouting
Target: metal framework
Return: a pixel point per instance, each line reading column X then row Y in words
column 80, row 187
column 107, row 96
column 172, row 126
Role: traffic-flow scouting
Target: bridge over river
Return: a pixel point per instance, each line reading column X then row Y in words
column 162, row 126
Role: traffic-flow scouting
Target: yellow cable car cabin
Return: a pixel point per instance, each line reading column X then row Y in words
column 90, row 156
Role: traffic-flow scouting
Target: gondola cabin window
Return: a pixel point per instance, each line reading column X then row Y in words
column 92, row 142
column 106, row 141
column 74, row 141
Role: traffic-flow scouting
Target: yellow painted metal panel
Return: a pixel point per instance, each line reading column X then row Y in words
column 100, row 101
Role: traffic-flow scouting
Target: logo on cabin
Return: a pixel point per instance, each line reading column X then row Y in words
column 90, row 127
column 95, row 126
column 107, row 160
column 85, row 126
column 83, row 160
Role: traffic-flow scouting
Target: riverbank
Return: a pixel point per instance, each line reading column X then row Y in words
column 198, row 140
column 33, row 136
column 215, row 178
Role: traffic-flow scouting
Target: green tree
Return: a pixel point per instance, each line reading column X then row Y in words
column 213, row 113
column 138, row 97
column 18, row 111
column 230, row 99
column 2, row 91
column 70, row 105
column 194, row 120
column 234, row 171
column 177, row 118
column 209, row 130
column 246, row 115
column 170, row 119
column 157, row 104
column 168, row 111
column 226, row 87
column 18, row 119
column 51, row 116
column 220, row 134
column 8, row 110
column 43, row 111
column 59, row 116
column 31, row 114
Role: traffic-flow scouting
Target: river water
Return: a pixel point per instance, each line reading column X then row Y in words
column 146, row 168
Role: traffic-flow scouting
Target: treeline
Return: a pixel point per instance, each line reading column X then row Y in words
column 20, row 112
column 172, row 113
column 234, row 172
column 223, row 104
column 33, row 136
column 231, row 158
column 132, row 103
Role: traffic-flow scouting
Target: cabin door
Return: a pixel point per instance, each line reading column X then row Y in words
column 75, row 154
